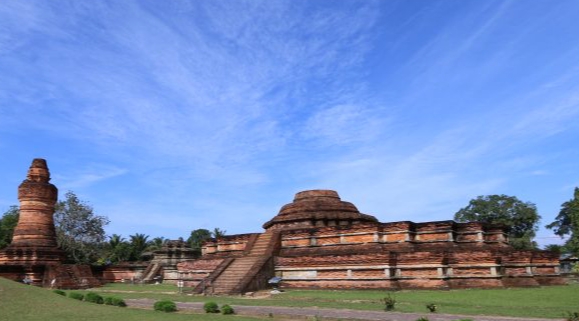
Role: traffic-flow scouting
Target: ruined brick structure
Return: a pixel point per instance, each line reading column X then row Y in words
column 33, row 252
column 320, row 241
column 317, row 241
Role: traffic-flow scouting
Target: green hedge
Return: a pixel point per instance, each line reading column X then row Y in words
column 93, row 298
column 111, row 300
column 76, row 296
column 165, row 306
column 211, row 307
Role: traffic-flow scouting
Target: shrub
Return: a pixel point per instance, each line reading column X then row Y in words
column 389, row 303
column 572, row 316
column 211, row 307
column 227, row 309
column 93, row 298
column 422, row 319
column 59, row 292
column 431, row 307
column 165, row 306
column 76, row 296
column 111, row 300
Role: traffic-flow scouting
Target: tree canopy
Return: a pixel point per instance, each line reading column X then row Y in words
column 567, row 223
column 7, row 224
column 80, row 233
column 520, row 218
column 197, row 238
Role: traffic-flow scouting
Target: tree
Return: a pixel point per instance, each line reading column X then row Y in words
column 139, row 243
column 7, row 224
column 519, row 218
column 197, row 238
column 567, row 223
column 157, row 243
column 218, row 233
column 118, row 250
column 555, row 248
column 80, row 233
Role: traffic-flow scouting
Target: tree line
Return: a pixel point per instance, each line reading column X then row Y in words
column 81, row 233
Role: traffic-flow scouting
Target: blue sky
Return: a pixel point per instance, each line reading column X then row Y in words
column 167, row 116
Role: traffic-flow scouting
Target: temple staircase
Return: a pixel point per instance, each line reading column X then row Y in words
column 251, row 270
column 151, row 271
column 69, row 276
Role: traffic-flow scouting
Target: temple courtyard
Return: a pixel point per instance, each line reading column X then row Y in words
column 544, row 303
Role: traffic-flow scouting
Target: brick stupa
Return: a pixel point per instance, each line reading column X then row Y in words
column 34, row 253
column 34, row 240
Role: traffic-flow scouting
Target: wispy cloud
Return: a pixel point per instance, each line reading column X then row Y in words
column 220, row 109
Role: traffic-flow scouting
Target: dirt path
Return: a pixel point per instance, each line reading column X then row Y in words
column 303, row 313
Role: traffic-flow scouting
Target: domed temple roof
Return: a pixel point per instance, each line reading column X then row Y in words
column 317, row 208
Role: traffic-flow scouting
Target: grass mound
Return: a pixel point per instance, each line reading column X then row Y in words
column 30, row 303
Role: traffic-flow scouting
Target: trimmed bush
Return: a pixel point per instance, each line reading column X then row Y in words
column 389, row 303
column 211, row 307
column 227, row 309
column 111, row 300
column 165, row 306
column 93, row 298
column 59, row 292
column 422, row 319
column 76, row 296
column 431, row 307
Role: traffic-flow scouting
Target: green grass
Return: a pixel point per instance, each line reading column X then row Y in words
column 30, row 303
column 543, row 302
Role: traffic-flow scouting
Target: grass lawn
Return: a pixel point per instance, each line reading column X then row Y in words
column 543, row 302
column 29, row 303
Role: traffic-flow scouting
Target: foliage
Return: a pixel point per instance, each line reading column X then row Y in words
column 431, row 307
column 218, row 233
column 422, row 319
column 211, row 307
column 389, row 302
column 59, row 292
column 117, row 249
column 165, row 306
column 79, row 231
column 157, row 243
column 76, row 296
column 572, row 316
column 93, row 298
column 519, row 218
column 227, row 309
column 111, row 300
column 7, row 224
column 555, row 248
column 139, row 243
column 567, row 223
column 197, row 238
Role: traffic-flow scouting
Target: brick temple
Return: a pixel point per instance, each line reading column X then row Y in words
column 316, row 241
column 33, row 253
column 320, row 241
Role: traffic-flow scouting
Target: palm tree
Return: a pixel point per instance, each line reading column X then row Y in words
column 118, row 249
column 157, row 243
column 139, row 243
